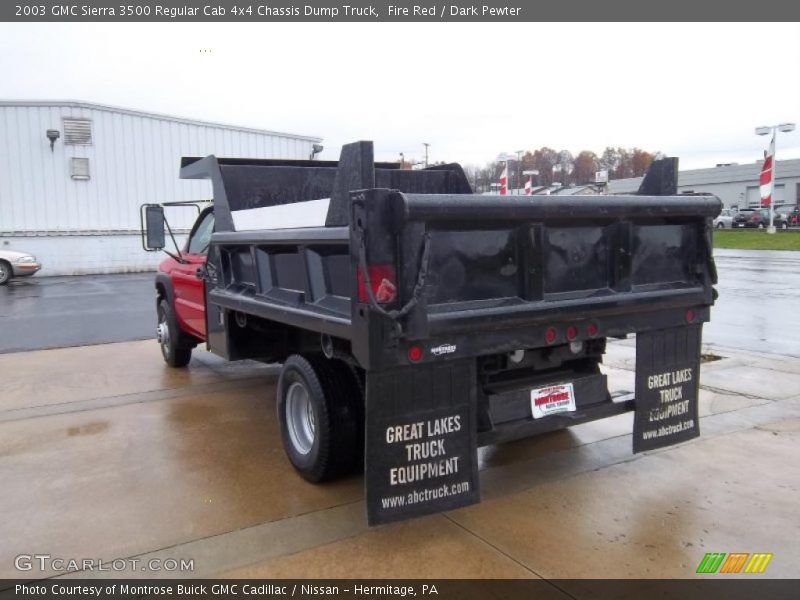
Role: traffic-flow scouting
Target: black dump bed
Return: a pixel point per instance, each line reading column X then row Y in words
column 454, row 264
column 475, row 319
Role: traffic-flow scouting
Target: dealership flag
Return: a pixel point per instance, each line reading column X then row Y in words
column 504, row 181
column 528, row 188
column 765, row 179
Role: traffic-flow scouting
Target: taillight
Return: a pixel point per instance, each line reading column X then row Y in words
column 689, row 315
column 591, row 330
column 572, row 332
column 383, row 281
column 414, row 353
column 755, row 217
column 550, row 335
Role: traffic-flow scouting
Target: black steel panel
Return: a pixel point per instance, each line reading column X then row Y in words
column 517, row 430
column 301, row 235
column 310, row 317
column 473, row 265
column 289, row 271
column 576, row 258
column 664, row 253
column 515, row 405
column 469, row 207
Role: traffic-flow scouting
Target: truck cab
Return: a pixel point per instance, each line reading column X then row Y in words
column 180, row 294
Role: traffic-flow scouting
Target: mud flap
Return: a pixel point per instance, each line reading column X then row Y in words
column 421, row 440
column 667, row 387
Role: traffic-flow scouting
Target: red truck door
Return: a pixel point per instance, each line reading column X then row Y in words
column 187, row 284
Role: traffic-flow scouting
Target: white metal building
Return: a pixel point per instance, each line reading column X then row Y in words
column 75, row 203
column 736, row 185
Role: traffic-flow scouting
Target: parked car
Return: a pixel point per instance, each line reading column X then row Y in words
column 758, row 218
column 786, row 210
column 16, row 264
column 725, row 218
column 794, row 217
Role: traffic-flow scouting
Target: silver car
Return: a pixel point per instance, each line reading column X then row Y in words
column 16, row 264
column 725, row 218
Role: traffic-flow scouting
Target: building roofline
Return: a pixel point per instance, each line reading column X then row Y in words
column 154, row 115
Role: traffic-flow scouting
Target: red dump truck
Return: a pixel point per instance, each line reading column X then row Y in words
column 417, row 321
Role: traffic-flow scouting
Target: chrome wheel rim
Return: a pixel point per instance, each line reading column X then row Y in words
column 300, row 418
column 3, row 273
column 162, row 335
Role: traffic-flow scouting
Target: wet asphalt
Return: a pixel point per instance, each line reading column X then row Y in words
column 758, row 307
column 54, row 312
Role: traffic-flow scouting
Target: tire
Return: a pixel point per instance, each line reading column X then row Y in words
column 720, row 225
column 784, row 225
column 6, row 272
column 320, row 414
column 761, row 226
column 175, row 348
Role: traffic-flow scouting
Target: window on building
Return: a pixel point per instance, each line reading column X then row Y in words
column 78, row 132
column 79, row 168
column 754, row 195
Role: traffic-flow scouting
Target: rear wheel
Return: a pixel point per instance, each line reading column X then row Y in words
column 175, row 349
column 720, row 225
column 784, row 225
column 761, row 226
column 319, row 404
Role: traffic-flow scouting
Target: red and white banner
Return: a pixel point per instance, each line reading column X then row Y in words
column 504, row 181
column 765, row 179
column 528, row 186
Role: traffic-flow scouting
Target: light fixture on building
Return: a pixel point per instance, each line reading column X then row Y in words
column 53, row 135
column 316, row 149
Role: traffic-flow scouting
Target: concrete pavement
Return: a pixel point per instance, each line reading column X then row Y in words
column 107, row 453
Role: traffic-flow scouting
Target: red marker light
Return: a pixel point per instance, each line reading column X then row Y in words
column 550, row 335
column 414, row 354
column 572, row 332
column 689, row 315
column 591, row 330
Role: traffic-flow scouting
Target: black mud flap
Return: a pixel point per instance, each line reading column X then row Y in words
column 667, row 387
column 421, row 448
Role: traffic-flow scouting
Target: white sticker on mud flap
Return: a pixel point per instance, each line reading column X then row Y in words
column 552, row 399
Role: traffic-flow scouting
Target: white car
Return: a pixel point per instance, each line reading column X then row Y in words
column 725, row 218
column 16, row 264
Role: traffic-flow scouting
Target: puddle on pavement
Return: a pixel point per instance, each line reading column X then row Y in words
column 88, row 429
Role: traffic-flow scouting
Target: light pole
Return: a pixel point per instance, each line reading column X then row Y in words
column 426, row 144
column 766, row 130
column 519, row 164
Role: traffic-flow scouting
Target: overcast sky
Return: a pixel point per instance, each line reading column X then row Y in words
column 471, row 90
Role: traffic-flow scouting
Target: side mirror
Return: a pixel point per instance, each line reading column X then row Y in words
column 154, row 238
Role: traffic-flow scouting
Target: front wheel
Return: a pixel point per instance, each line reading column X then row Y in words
column 174, row 349
column 720, row 225
column 761, row 226
column 319, row 404
column 5, row 272
column 784, row 225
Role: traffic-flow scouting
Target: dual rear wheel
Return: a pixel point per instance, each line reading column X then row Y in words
column 320, row 406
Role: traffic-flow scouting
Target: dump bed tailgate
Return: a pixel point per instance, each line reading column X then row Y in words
column 510, row 266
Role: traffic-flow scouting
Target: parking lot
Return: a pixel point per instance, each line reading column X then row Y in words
column 107, row 453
